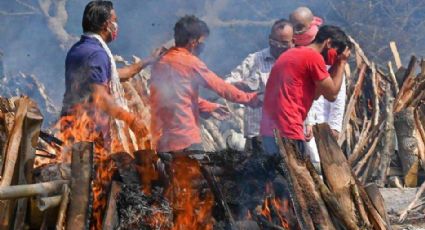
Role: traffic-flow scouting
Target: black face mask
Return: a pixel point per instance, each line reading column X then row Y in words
column 199, row 48
column 277, row 51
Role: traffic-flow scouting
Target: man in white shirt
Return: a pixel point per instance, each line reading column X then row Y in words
column 252, row 74
column 324, row 111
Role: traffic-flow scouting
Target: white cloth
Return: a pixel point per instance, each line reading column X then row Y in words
column 117, row 92
column 253, row 71
column 324, row 111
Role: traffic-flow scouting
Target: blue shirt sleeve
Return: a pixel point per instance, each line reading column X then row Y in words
column 99, row 68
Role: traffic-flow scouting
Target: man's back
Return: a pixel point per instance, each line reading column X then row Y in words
column 86, row 63
column 290, row 91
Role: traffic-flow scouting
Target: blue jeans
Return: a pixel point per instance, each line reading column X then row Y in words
column 270, row 147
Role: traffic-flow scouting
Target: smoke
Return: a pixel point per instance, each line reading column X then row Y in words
column 35, row 34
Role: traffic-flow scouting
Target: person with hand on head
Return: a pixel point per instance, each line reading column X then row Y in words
column 92, row 78
column 306, row 26
column 298, row 77
column 252, row 75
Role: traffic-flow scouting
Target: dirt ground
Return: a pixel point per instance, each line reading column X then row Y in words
column 396, row 200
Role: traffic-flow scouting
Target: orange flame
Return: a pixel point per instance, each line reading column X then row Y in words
column 191, row 210
column 273, row 208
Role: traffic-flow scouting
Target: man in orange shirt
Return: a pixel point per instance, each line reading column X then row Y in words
column 175, row 83
column 175, row 109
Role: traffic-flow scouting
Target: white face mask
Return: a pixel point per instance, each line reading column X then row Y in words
column 114, row 31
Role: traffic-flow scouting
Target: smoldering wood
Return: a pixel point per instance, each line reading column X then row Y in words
column 110, row 220
column 80, row 208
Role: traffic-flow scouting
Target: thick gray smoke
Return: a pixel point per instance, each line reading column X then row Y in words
column 35, row 34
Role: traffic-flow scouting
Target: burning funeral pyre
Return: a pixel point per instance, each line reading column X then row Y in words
column 63, row 179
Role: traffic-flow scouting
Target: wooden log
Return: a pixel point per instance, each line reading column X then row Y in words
column 11, row 169
column 29, row 190
column 361, row 209
column 375, row 219
column 31, row 129
column 353, row 99
column 420, row 121
column 369, row 153
column 110, row 221
column 331, row 202
column 388, row 140
column 14, row 142
column 396, row 55
column 375, row 96
column 309, row 207
column 394, row 82
column 375, row 196
column 63, row 207
column 44, row 203
column 405, row 94
column 404, row 123
column 336, row 170
column 79, row 210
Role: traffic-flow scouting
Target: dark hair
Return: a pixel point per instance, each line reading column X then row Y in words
column 279, row 25
column 188, row 28
column 339, row 39
column 96, row 14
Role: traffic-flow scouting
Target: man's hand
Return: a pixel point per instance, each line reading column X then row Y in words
column 335, row 134
column 138, row 127
column 308, row 132
column 343, row 57
column 221, row 113
column 255, row 101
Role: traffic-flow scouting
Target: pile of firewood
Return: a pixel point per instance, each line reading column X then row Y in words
column 383, row 135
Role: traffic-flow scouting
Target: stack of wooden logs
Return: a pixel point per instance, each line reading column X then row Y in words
column 383, row 135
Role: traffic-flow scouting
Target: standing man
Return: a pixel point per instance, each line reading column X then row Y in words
column 89, row 72
column 175, row 108
column 252, row 75
column 322, row 110
column 298, row 77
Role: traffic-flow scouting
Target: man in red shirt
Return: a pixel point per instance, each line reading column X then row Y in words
column 298, row 77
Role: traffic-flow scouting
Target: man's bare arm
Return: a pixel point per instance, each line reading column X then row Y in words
column 330, row 86
column 130, row 71
column 104, row 101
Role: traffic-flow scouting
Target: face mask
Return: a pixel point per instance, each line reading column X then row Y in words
column 199, row 48
column 330, row 56
column 277, row 48
column 307, row 37
column 114, row 31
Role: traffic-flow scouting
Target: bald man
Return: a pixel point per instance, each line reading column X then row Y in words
column 305, row 24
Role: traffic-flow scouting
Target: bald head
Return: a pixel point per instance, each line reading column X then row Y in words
column 301, row 18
